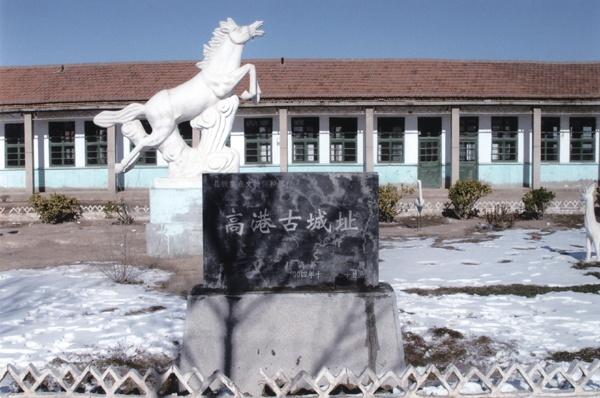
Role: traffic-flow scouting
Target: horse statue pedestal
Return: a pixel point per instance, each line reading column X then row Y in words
column 175, row 229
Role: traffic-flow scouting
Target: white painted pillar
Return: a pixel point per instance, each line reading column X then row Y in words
column 283, row 140
column 536, row 156
column 368, row 141
column 29, row 153
column 455, row 146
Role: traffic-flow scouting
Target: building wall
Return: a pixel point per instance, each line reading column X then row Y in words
column 516, row 174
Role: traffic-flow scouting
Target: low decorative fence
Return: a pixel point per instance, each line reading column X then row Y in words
column 91, row 211
column 436, row 208
column 579, row 380
column 406, row 209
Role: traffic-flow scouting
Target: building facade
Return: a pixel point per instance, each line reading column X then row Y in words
column 508, row 124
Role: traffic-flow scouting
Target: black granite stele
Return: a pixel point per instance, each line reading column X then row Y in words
column 281, row 230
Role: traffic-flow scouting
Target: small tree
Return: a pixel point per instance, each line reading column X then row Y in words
column 536, row 203
column 57, row 209
column 119, row 211
column 464, row 194
column 388, row 200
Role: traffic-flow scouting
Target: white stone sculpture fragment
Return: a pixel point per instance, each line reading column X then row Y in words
column 592, row 228
column 419, row 202
column 207, row 100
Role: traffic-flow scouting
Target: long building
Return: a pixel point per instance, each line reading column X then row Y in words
column 510, row 124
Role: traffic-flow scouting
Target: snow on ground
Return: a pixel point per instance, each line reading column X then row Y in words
column 565, row 321
column 76, row 313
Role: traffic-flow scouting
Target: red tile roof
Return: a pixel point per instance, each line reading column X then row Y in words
column 300, row 80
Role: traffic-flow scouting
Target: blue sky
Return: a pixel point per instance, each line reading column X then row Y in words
column 38, row 32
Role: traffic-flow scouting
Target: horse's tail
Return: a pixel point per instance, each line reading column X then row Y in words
column 127, row 114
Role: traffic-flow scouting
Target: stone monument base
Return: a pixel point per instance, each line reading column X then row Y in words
column 240, row 334
column 175, row 229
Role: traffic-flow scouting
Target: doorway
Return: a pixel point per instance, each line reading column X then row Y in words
column 430, row 143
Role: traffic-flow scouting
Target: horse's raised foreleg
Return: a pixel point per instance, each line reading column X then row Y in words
column 254, row 93
column 149, row 141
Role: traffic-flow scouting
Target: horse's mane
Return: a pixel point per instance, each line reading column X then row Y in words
column 219, row 34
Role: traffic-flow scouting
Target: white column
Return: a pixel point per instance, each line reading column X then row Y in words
column 283, row 140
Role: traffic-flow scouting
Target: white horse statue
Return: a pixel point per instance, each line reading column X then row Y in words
column 220, row 74
column 592, row 228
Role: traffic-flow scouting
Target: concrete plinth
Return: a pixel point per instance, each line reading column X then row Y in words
column 175, row 229
column 240, row 334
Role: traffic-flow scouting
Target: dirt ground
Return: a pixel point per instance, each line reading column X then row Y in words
column 37, row 245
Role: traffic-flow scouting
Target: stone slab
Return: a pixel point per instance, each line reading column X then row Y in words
column 240, row 334
column 290, row 230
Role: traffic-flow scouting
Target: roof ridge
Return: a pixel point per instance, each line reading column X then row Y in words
column 342, row 60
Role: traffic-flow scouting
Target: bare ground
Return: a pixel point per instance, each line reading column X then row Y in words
column 37, row 245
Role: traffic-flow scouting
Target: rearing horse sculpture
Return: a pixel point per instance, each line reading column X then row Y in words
column 220, row 74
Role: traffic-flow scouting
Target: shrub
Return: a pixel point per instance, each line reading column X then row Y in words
column 464, row 194
column 536, row 202
column 500, row 218
column 389, row 198
column 120, row 212
column 57, row 209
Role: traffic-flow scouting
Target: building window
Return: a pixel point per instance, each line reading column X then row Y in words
column 469, row 128
column 62, row 143
column 185, row 130
column 14, row 139
column 147, row 158
column 550, row 143
column 258, row 133
column 583, row 139
column 305, row 139
column 95, row 144
column 343, row 132
column 504, row 138
column 390, row 140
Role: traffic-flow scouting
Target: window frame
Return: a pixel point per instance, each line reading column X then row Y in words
column 468, row 132
column 550, row 125
column 99, row 144
column 254, row 136
column 387, row 137
column 343, row 132
column 19, row 146
column 61, row 139
column 581, row 130
column 301, row 138
column 504, row 155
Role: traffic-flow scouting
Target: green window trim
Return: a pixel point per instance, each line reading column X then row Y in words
column 61, row 138
column 505, row 133
column 305, row 140
column 258, row 135
column 95, row 145
column 14, row 145
column 343, row 134
column 390, row 140
column 550, row 140
column 583, row 139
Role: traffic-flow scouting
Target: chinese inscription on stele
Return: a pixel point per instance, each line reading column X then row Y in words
column 290, row 230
